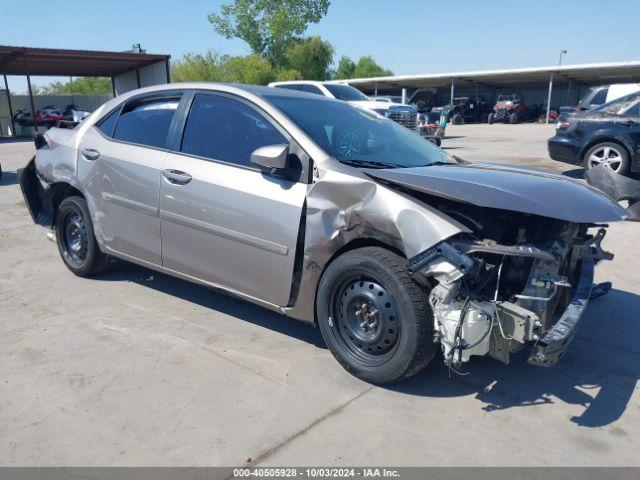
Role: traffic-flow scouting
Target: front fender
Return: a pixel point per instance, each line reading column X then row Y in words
column 342, row 208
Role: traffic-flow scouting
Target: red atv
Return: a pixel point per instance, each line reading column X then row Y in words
column 509, row 108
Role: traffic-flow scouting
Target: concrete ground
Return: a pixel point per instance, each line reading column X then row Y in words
column 137, row 368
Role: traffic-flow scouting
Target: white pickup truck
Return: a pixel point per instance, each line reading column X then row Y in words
column 406, row 115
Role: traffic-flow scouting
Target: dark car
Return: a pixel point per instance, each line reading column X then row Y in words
column 608, row 135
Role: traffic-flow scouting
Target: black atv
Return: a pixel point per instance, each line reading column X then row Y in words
column 466, row 110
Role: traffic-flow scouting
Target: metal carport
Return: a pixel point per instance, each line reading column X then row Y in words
column 568, row 77
column 127, row 70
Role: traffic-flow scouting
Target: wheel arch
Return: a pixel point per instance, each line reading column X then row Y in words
column 607, row 139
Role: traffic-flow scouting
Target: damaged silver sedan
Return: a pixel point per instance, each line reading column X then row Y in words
column 328, row 214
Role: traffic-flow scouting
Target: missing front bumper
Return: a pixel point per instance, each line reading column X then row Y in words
column 550, row 348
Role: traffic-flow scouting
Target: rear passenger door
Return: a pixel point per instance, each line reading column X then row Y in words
column 223, row 220
column 119, row 163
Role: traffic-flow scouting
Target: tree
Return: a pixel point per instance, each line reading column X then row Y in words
column 268, row 26
column 82, row 85
column 311, row 57
column 367, row 67
column 346, row 68
column 252, row 69
column 198, row 68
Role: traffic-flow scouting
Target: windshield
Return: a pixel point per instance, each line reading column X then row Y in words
column 345, row 92
column 617, row 106
column 353, row 135
column 507, row 98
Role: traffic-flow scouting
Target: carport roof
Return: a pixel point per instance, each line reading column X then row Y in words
column 588, row 74
column 76, row 63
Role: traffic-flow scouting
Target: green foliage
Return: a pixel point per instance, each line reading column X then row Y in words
column 82, row 85
column 284, row 75
column 346, row 68
column 198, row 68
column 367, row 67
column 311, row 57
column 252, row 69
column 268, row 26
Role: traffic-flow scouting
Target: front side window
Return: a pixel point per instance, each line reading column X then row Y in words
column 358, row 137
column 146, row 122
column 634, row 110
column 225, row 129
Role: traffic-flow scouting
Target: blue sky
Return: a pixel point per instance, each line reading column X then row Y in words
column 407, row 36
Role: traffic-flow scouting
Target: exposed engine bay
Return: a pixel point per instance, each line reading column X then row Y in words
column 515, row 280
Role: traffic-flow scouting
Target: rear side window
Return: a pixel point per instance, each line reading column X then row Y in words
column 146, row 122
column 108, row 123
column 600, row 97
column 311, row 89
column 224, row 129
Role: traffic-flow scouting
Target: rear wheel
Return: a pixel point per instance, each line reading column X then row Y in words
column 76, row 241
column 491, row 118
column 610, row 155
column 456, row 119
column 375, row 320
column 513, row 118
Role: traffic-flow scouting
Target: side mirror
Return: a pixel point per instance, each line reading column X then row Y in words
column 271, row 157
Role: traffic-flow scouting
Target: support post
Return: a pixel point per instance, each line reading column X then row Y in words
column 167, row 67
column 113, row 86
column 569, row 92
column 549, row 97
column 138, row 77
column 404, row 95
column 453, row 90
column 375, row 89
column 6, row 89
column 33, row 106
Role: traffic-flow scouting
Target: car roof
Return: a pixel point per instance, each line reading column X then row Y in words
column 297, row 82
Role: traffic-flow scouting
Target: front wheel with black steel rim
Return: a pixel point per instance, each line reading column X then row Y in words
column 374, row 318
column 610, row 155
column 76, row 241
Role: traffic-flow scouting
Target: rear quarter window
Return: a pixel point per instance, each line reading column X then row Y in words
column 146, row 122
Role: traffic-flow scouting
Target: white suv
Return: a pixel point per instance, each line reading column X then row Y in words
column 406, row 115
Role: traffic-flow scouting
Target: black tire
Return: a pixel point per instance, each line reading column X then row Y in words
column 76, row 242
column 621, row 155
column 484, row 118
column 397, row 341
column 513, row 118
column 457, row 119
column 491, row 118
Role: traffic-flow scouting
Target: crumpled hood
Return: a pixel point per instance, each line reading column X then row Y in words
column 506, row 188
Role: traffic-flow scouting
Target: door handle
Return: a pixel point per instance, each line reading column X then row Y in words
column 89, row 154
column 176, row 177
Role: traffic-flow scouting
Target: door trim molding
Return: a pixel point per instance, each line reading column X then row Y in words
column 225, row 233
column 131, row 204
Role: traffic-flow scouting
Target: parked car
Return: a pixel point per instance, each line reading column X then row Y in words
column 465, row 110
column 600, row 95
column 608, row 135
column 328, row 214
column 405, row 115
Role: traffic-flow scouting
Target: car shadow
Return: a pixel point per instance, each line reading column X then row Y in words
column 599, row 371
column 214, row 300
column 577, row 173
column 8, row 178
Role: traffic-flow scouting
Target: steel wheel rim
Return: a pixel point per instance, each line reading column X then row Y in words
column 365, row 319
column 609, row 157
column 74, row 238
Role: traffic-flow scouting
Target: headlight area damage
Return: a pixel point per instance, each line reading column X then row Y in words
column 518, row 276
column 494, row 298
